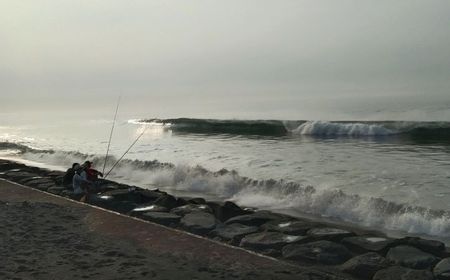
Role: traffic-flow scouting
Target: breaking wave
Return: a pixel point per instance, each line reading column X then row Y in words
column 311, row 128
column 265, row 194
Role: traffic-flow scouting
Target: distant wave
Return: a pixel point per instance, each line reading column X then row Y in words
column 267, row 194
column 311, row 128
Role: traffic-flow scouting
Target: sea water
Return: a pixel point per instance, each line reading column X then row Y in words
column 389, row 176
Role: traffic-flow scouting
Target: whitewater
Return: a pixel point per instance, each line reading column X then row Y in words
column 390, row 176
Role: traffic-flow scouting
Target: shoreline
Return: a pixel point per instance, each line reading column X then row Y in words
column 344, row 249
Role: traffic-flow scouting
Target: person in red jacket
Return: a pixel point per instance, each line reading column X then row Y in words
column 90, row 173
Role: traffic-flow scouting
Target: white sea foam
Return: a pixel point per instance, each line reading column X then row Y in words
column 323, row 128
column 267, row 194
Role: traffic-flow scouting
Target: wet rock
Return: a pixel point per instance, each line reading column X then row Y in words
column 16, row 175
column 44, row 186
column 255, row 219
column 167, row 201
column 141, row 209
column 411, row 257
column 128, row 194
column 364, row 266
column 324, row 252
column 190, row 208
column 332, row 234
column 233, row 232
column 402, row 273
column 199, row 222
column 225, row 210
column 289, row 227
column 56, row 190
column 269, row 240
column 434, row 247
column 5, row 166
column 196, row 200
column 163, row 218
column 368, row 243
column 442, row 269
column 109, row 202
column 150, row 196
column 33, row 182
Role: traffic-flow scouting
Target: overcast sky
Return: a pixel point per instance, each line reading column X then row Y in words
column 234, row 59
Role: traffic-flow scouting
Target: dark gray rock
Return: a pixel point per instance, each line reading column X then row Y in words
column 6, row 166
column 411, row 257
column 289, row 227
column 269, row 240
column 16, row 175
column 364, row 266
column 109, row 202
column 150, row 196
column 225, row 210
column 434, row 247
column 196, row 200
column 332, row 234
column 255, row 219
column 56, row 190
column 141, row 209
column 324, row 252
column 199, row 222
column 44, row 186
column 402, row 273
column 190, row 208
column 128, row 194
column 442, row 269
column 163, row 218
column 167, row 201
column 233, row 232
column 368, row 243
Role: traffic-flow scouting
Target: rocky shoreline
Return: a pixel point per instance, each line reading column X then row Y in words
column 357, row 253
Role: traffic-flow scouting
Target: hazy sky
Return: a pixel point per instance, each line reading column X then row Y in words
column 244, row 59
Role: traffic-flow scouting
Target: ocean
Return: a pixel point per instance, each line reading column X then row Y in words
column 390, row 176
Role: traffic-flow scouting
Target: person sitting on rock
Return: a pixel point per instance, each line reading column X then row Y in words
column 80, row 185
column 90, row 173
column 67, row 179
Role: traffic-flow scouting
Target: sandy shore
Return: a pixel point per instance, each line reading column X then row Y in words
column 49, row 237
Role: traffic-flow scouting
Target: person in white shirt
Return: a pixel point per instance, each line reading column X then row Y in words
column 80, row 184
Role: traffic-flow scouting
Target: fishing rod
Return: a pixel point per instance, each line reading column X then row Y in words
column 117, row 162
column 110, row 135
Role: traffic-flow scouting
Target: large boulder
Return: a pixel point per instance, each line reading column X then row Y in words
column 233, row 232
column 256, row 219
column 190, row 208
column 269, row 240
column 196, row 200
column 141, row 209
column 368, row 243
column 56, row 190
column 199, row 222
column 125, row 194
column 109, row 202
column 332, row 234
column 163, row 218
column 167, row 201
column 289, row 227
column 225, row 210
column 364, row 266
column 411, row 257
column 434, row 247
column 44, row 186
column 442, row 269
column 148, row 196
column 324, row 252
column 402, row 273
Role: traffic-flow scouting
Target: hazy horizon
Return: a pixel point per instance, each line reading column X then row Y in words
column 249, row 60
